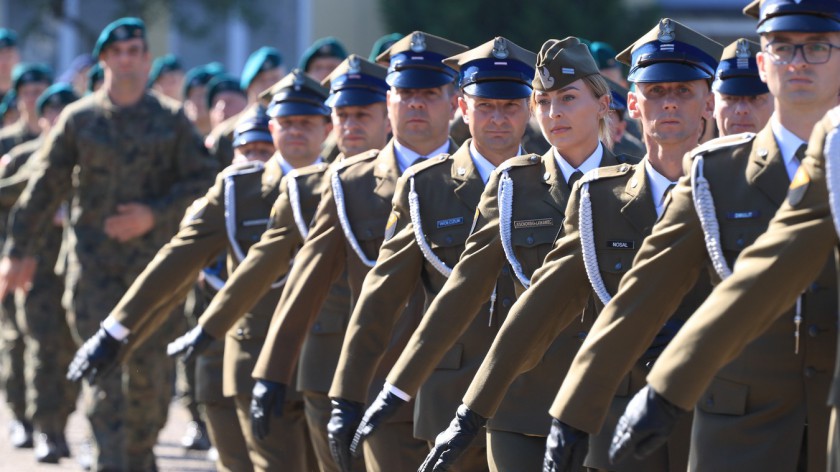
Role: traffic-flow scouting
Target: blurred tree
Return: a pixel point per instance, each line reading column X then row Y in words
column 529, row 23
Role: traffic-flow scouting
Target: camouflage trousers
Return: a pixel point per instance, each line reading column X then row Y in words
column 50, row 397
column 128, row 407
column 12, row 352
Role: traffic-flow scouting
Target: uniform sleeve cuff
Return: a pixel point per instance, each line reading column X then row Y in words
column 399, row 393
column 115, row 329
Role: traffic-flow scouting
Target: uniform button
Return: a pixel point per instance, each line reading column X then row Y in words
column 581, row 335
column 813, row 331
column 505, row 270
column 316, row 328
column 740, row 242
column 240, row 332
column 506, row 302
column 369, row 233
column 809, row 372
column 530, row 240
column 710, row 400
column 815, row 287
column 448, row 240
column 618, row 266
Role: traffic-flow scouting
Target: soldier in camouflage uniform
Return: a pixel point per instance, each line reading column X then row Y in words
column 9, row 57
column 49, row 344
column 130, row 162
column 28, row 81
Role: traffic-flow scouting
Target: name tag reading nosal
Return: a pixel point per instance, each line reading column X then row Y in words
column 743, row 215
column 449, row 222
column 533, row 223
column 621, row 244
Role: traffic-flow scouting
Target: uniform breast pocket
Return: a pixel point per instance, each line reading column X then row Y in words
column 735, row 236
column 370, row 232
column 249, row 231
column 447, row 244
column 532, row 244
column 613, row 264
column 724, row 397
column 97, row 160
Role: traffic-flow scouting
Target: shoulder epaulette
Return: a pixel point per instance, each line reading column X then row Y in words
column 318, row 168
column 519, row 161
column 605, row 173
column 349, row 161
column 243, row 168
column 722, row 142
column 627, row 159
column 428, row 163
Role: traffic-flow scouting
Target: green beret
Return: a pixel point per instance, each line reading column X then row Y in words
column 382, row 44
column 28, row 73
column 163, row 65
column 56, row 96
column 120, row 30
column 604, row 55
column 8, row 38
column 95, row 75
column 222, row 83
column 263, row 59
column 8, row 103
column 201, row 75
column 324, row 47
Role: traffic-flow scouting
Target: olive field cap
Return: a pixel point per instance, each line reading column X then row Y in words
column 416, row 61
column 356, row 82
column 119, row 30
column 261, row 60
column 807, row 16
column 737, row 73
column 561, row 62
column 497, row 69
column 298, row 94
column 671, row 52
column 56, row 96
column 324, row 47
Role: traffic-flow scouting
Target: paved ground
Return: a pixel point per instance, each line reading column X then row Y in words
column 171, row 456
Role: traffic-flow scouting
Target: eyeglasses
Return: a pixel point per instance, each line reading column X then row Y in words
column 812, row 53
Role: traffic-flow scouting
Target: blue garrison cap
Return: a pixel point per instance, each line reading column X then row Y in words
column 8, row 38
column 222, row 83
column 120, row 30
column 737, row 73
column 324, row 47
column 497, row 69
column 56, row 96
column 356, row 82
column 416, row 61
column 671, row 52
column 95, row 75
column 252, row 128
column 382, row 44
column 27, row 73
column 618, row 96
column 8, row 103
column 807, row 16
column 201, row 75
column 163, row 65
column 297, row 94
column 261, row 60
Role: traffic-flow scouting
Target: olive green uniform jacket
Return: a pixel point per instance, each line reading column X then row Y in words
column 764, row 397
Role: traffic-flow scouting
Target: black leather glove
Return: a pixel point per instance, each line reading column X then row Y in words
column 451, row 443
column 565, row 448
column 384, row 407
column 267, row 399
column 645, row 425
column 96, row 357
column 344, row 420
column 660, row 342
column 190, row 345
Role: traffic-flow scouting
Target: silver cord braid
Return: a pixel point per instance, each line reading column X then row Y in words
column 704, row 204
column 338, row 196
column 505, row 215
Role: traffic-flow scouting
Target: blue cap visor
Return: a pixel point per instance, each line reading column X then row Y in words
column 743, row 86
column 354, row 97
column 253, row 136
column 292, row 108
column 418, row 78
column 803, row 23
column 499, row 90
column 667, row 72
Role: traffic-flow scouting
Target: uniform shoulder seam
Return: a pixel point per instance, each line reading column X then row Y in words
column 607, row 172
column 722, row 142
column 519, row 161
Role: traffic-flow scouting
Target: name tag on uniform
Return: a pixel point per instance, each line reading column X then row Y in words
column 533, row 223
column 449, row 222
column 743, row 215
column 260, row 222
column 621, row 244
